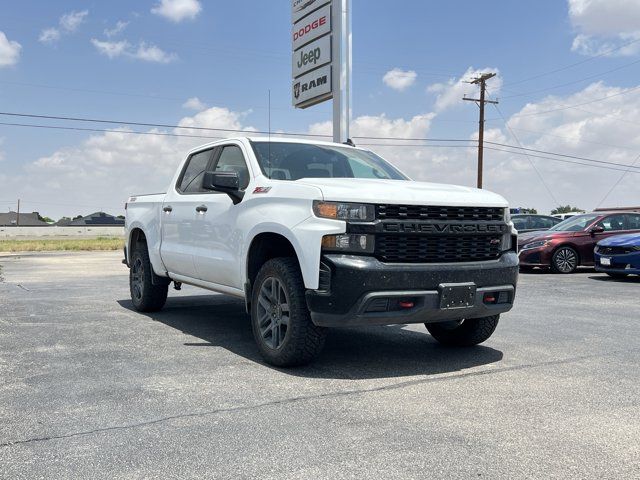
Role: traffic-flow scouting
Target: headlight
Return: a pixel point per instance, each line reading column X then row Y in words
column 355, row 243
column 344, row 211
column 537, row 244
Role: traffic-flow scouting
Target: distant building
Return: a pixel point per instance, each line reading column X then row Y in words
column 95, row 219
column 10, row 219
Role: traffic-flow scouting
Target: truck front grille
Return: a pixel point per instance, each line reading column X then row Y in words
column 435, row 249
column 422, row 212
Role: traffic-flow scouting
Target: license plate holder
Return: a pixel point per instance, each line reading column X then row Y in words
column 455, row 296
column 605, row 261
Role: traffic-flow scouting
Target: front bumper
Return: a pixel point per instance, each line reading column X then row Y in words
column 535, row 257
column 359, row 284
column 625, row 263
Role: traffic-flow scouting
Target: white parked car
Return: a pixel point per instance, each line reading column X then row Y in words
column 314, row 235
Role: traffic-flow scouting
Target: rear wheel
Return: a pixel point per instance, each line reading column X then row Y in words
column 145, row 296
column 280, row 319
column 463, row 333
column 564, row 260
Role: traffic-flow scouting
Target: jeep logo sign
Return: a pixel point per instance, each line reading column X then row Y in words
column 311, row 27
column 314, row 55
column 312, row 88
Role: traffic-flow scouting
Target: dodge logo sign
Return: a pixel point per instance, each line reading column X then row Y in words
column 311, row 27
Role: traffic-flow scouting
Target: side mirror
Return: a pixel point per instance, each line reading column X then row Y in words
column 596, row 229
column 226, row 182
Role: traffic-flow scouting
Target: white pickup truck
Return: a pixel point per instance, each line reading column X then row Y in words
column 314, row 235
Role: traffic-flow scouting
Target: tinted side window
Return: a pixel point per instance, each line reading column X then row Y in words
column 192, row 177
column 633, row 221
column 613, row 223
column 543, row 222
column 520, row 222
column 232, row 160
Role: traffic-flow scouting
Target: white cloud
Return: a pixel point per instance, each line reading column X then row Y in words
column 194, row 103
column 9, row 51
column 450, row 93
column 177, row 10
column 145, row 52
column 68, row 23
column 117, row 29
column 72, row 20
column 605, row 25
column 49, row 35
column 111, row 49
column 399, row 79
column 152, row 53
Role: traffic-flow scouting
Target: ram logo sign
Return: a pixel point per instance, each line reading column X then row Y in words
column 312, row 87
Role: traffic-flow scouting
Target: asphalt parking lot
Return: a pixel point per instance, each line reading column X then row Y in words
column 91, row 389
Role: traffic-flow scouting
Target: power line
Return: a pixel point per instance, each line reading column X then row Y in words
column 559, row 160
column 246, row 132
column 619, row 180
column 506, row 124
column 566, row 67
column 567, row 107
column 533, row 92
column 561, row 155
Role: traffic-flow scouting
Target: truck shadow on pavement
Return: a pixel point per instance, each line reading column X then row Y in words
column 350, row 353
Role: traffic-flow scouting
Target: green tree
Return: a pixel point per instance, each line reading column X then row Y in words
column 565, row 209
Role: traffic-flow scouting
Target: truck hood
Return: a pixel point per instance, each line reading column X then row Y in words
column 403, row 192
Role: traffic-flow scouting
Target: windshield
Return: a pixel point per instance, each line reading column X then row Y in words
column 576, row 223
column 292, row 161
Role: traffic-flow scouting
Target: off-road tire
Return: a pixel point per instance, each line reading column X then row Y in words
column 145, row 296
column 465, row 333
column 303, row 340
column 562, row 257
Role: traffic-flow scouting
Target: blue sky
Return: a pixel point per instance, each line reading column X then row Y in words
column 229, row 54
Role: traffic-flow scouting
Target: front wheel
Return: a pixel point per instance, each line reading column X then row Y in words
column 564, row 260
column 463, row 333
column 280, row 319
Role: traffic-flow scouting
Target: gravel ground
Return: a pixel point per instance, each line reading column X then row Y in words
column 91, row 389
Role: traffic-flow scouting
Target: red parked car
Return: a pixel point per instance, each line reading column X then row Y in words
column 570, row 243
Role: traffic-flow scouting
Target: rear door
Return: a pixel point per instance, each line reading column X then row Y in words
column 181, row 213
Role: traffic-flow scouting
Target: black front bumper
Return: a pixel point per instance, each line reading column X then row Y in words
column 357, row 287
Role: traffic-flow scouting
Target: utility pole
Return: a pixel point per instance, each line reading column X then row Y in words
column 18, row 215
column 482, row 81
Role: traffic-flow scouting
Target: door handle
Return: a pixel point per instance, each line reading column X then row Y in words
column 167, row 209
column 201, row 208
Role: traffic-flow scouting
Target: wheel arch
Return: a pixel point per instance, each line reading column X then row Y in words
column 263, row 247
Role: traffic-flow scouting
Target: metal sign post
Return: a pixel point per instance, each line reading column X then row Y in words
column 341, row 70
column 321, row 60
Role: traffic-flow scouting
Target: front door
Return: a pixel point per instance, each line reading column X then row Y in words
column 181, row 214
column 218, row 240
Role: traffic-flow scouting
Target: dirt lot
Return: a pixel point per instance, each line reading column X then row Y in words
column 91, row 389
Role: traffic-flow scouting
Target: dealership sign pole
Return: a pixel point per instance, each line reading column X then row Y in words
column 321, row 63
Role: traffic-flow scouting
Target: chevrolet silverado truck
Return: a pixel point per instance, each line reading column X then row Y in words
column 315, row 235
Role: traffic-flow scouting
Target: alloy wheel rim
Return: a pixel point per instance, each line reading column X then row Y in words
column 565, row 260
column 273, row 313
column 137, row 279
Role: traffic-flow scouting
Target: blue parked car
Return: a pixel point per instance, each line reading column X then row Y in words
column 618, row 256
